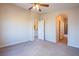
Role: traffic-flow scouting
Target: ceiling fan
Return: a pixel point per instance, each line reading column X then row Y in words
column 38, row 6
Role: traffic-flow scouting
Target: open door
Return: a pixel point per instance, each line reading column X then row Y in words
column 62, row 29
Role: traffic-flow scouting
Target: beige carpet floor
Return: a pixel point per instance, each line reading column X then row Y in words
column 39, row 48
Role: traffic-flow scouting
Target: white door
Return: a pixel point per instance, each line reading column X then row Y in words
column 41, row 29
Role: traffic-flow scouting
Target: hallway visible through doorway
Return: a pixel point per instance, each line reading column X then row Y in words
column 62, row 29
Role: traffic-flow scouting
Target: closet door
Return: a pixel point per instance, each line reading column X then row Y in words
column 41, row 29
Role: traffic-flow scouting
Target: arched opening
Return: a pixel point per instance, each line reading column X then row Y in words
column 62, row 29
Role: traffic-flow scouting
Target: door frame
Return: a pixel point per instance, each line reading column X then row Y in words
column 63, row 16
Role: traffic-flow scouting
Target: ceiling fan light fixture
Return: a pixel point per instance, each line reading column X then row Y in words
column 34, row 7
column 37, row 7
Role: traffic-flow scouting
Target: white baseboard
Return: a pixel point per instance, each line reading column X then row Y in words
column 13, row 43
column 73, row 45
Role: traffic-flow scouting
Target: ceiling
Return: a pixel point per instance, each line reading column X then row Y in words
column 52, row 6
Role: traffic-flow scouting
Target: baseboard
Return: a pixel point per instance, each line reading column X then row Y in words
column 72, row 45
column 51, row 41
column 14, row 43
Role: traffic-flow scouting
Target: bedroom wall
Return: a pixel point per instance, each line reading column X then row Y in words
column 73, row 25
column 16, row 25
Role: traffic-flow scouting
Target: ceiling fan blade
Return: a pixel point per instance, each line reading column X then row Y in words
column 30, row 8
column 40, row 10
column 45, row 5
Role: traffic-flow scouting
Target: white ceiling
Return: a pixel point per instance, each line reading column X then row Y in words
column 52, row 6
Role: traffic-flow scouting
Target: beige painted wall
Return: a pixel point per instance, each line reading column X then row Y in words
column 16, row 24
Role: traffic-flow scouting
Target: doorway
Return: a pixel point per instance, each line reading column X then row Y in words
column 41, row 29
column 35, row 29
column 62, row 29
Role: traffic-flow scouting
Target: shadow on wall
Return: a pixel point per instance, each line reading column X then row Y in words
column 2, row 41
column 15, row 24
